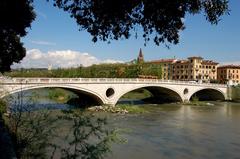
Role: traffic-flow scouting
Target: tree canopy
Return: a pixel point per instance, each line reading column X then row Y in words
column 161, row 20
column 15, row 16
column 106, row 20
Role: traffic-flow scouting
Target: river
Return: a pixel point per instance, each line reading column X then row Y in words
column 175, row 131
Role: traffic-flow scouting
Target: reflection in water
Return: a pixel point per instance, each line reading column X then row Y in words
column 173, row 131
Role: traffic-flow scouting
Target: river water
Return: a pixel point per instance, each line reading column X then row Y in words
column 175, row 131
column 180, row 132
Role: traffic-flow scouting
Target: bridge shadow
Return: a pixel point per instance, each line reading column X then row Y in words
column 150, row 95
column 208, row 95
column 53, row 98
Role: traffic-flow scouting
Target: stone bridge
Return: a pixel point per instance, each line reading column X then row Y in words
column 110, row 90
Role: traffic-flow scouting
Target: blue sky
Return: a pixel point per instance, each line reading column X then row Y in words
column 54, row 30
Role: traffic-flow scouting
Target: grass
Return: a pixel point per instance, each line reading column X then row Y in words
column 59, row 95
column 195, row 102
column 133, row 109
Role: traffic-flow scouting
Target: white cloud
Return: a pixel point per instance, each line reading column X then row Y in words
column 64, row 59
column 43, row 43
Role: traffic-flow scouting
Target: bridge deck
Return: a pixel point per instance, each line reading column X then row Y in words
column 102, row 80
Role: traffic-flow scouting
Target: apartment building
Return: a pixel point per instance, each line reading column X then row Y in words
column 229, row 72
column 166, row 67
column 191, row 69
column 194, row 68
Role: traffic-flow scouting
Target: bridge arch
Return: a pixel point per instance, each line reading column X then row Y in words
column 75, row 89
column 161, row 92
column 208, row 94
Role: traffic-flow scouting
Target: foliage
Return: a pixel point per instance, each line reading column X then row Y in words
column 30, row 130
column 236, row 92
column 160, row 19
column 195, row 99
column 59, row 95
column 3, row 106
column 12, row 27
column 94, row 71
column 89, row 137
column 137, row 94
column 132, row 108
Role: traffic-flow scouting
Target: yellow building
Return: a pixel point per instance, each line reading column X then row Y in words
column 229, row 72
column 194, row 68
column 166, row 67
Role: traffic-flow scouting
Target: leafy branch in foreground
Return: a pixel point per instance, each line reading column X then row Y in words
column 161, row 20
column 88, row 138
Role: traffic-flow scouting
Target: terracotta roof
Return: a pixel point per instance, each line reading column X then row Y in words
column 182, row 61
column 195, row 57
column 163, row 61
column 209, row 62
column 230, row 66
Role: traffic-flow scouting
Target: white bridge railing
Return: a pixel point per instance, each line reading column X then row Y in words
column 98, row 80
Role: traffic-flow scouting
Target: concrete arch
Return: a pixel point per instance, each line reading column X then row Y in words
column 209, row 94
column 74, row 89
column 156, row 91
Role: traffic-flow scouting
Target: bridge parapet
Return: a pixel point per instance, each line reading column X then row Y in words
column 103, row 80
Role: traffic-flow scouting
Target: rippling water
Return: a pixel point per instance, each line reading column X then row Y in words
column 174, row 131
column 180, row 132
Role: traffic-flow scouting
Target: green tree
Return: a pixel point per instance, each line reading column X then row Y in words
column 16, row 16
column 108, row 19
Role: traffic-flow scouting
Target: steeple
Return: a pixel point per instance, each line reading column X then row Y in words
column 140, row 56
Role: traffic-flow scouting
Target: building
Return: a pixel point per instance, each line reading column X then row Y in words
column 229, row 72
column 166, row 65
column 194, row 68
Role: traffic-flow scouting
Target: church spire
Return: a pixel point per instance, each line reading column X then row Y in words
column 140, row 56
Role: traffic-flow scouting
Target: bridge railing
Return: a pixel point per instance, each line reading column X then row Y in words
column 100, row 80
